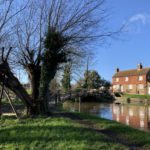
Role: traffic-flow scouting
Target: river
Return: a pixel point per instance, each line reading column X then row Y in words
column 137, row 116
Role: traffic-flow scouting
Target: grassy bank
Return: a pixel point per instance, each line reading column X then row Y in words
column 55, row 133
column 119, row 131
column 137, row 96
column 69, row 131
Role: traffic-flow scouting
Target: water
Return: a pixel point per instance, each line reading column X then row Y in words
column 137, row 116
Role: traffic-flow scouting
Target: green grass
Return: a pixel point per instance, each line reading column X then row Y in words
column 57, row 133
column 128, row 134
column 29, row 91
column 51, row 134
column 137, row 96
column 14, row 101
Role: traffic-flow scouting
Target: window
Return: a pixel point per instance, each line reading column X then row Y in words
column 126, row 79
column 130, row 86
column 130, row 112
column 140, row 78
column 116, row 87
column 127, row 120
column 141, row 86
column 117, row 79
column 141, row 114
column 141, row 123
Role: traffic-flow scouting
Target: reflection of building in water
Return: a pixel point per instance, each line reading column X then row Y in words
column 135, row 116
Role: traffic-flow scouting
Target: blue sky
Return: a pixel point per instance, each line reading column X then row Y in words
column 133, row 46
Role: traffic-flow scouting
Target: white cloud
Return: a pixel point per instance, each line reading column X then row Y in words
column 141, row 17
column 136, row 22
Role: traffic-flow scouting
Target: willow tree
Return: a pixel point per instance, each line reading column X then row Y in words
column 57, row 30
column 10, row 10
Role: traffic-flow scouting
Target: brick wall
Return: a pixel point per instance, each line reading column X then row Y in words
column 131, row 80
column 134, row 82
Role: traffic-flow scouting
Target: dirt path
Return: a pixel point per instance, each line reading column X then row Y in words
column 112, row 137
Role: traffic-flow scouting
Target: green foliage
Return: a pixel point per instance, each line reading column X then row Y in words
column 92, row 80
column 54, row 42
column 54, row 54
column 105, row 83
column 66, row 81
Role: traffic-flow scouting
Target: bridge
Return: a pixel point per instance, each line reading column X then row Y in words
column 75, row 95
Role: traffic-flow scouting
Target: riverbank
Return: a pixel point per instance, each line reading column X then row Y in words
column 133, row 138
column 64, row 130
column 132, row 99
column 136, row 96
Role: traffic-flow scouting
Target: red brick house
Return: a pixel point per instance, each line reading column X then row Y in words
column 136, row 81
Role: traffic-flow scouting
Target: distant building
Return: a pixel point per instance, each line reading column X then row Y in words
column 136, row 81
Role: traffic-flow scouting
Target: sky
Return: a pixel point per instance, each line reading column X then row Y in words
column 129, row 49
column 133, row 46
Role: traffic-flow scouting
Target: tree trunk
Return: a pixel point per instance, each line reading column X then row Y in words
column 12, row 83
column 34, row 76
column 47, row 74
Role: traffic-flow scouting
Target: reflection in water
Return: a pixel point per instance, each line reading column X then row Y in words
column 103, row 110
column 133, row 115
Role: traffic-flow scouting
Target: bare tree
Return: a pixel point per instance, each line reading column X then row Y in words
column 49, row 33
column 70, row 24
column 9, row 11
column 29, row 34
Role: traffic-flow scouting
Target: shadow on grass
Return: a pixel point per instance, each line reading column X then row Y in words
column 27, row 134
column 124, row 134
column 129, row 135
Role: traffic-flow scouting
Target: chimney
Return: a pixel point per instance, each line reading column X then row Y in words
column 140, row 66
column 117, row 70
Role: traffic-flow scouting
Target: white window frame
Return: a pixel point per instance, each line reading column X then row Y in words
column 130, row 86
column 126, row 79
column 116, row 87
column 117, row 79
column 141, row 86
column 142, row 123
column 140, row 78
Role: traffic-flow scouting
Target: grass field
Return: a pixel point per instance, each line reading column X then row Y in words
column 51, row 134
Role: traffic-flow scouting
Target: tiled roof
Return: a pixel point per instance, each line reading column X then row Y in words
column 134, row 72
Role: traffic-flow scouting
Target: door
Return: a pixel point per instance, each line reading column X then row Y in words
column 121, row 88
column 149, row 90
